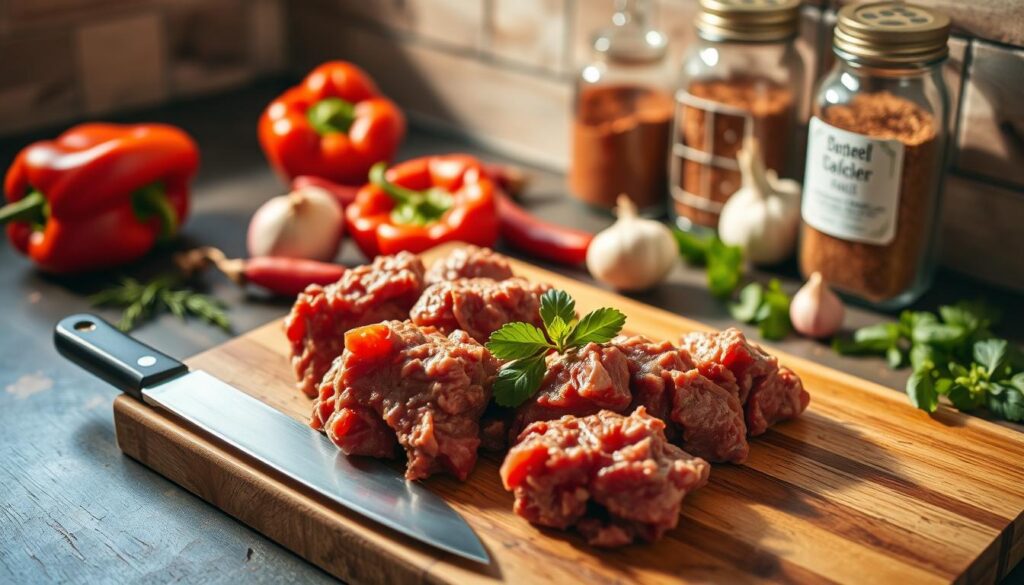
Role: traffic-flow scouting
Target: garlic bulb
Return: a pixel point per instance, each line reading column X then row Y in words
column 306, row 223
column 815, row 310
column 634, row 253
column 763, row 216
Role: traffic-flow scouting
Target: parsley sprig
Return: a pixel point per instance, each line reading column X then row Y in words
column 526, row 345
column 952, row 354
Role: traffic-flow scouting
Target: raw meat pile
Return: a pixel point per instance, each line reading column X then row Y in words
column 613, row 439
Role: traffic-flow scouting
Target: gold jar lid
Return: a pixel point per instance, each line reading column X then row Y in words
column 748, row 20
column 891, row 34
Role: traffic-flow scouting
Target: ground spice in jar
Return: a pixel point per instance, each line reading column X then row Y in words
column 767, row 106
column 881, row 272
column 620, row 145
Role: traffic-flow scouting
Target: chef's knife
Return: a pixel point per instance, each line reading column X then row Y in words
column 362, row 485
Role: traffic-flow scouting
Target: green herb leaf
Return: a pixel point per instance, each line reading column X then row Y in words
column 921, row 390
column 961, row 397
column 1008, row 405
column 597, row 326
column 991, row 354
column 745, row 310
column 694, row 249
column 774, row 324
column 895, row 357
column 922, row 352
column 144, row 301
column 558, row 312
column 725, row 268
column 940, row 334
column 517, row 381
column 1017, row 381
column 517, row 340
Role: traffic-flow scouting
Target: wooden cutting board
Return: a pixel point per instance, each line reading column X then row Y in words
column 861, row 488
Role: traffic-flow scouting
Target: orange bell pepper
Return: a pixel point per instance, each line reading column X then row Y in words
column 334, row 125
column 424, row 202
column 99, row 195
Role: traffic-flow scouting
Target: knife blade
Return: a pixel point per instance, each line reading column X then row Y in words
column 362, row 485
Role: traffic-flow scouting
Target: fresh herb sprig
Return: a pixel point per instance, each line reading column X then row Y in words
column 952, row 354
column 142, row 301
column 527, row 345
column 767, row 306
column 724, row 263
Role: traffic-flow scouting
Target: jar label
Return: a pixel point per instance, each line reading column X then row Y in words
column 852, row 184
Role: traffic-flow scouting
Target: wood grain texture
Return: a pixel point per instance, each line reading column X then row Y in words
column 862, row 487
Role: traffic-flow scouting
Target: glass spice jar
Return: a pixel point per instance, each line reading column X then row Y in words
column 623, row 113
column 876, row 153
column 743, row 77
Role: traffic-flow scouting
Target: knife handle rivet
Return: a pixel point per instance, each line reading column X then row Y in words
column 146, row 361
column 85, row 326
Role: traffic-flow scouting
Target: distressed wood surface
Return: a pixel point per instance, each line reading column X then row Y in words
column 862, row 487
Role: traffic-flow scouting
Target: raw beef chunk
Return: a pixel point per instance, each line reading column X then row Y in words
column 649, row 363
column 469, row 262
column 321, row 315
column 580, row 382
column 769, row 394
column 397, row 382
column 478, row 306
column 614, row 477
column 780, row 396
column 709, row 417
column 702, row 416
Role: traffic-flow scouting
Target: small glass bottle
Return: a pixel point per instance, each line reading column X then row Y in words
column 622, row 114
column 742, row 77
column 876, row 155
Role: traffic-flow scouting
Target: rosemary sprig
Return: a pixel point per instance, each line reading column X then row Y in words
column 142, row 301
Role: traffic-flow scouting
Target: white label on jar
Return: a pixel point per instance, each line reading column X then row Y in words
column 852, row 184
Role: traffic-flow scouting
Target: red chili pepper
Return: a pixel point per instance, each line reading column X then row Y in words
column 539, row 238
column 424, row 202
column 345, row 194
column 281, row 276
column 335, row 125
column 99, row 195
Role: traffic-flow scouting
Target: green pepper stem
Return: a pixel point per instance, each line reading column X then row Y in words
column 30, row 208
column 398, row 193
column 331, row 115
column 151, row 201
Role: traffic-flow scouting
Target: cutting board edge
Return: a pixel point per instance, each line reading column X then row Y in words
column 216, row 473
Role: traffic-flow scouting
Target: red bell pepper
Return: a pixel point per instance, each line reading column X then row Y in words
column 334, row 125
column 99, row 195
column 424, row 202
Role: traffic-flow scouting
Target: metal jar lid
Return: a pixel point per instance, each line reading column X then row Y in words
column 748, row 20
column 891, row 34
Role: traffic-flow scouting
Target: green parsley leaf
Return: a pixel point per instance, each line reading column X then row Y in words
column 1008, row 405
column 517, row 340
column 725, row 268
column 749, row 302
column 961, row 397
column 518, row 380
column 940, row 334
column 597, row 326
column 921, row 390
column 991, row 354
column 1017, row 381
column 693, row 248
column 895, row 357
column 558, row 312
column 774, row 324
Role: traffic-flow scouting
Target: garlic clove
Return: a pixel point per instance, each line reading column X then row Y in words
column 306, row 223
column 816, row 311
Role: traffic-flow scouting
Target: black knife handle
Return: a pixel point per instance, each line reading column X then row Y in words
column 116, row 357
